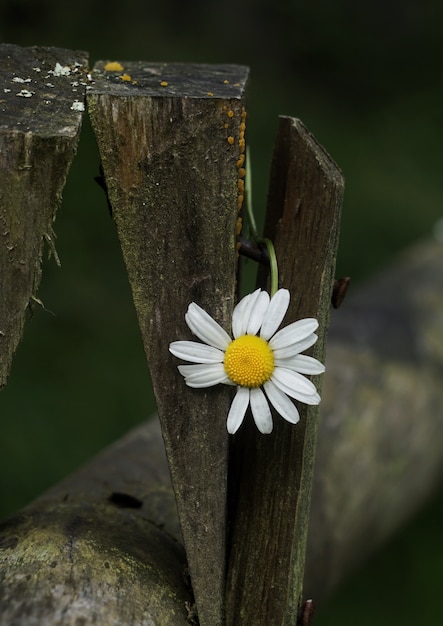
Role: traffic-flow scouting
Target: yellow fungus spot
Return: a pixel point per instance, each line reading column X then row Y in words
column 241, row 160
column 238, row 226
column 241, row 134
column 242, row 127
column 164, row 83
column 209, row 93
column 241, row 185
column 125, row 77
column 249, row 361
column 230, row 140
column 241, row 145
column 226, row 82
column 225, row 125
column 242, row 172
column 230, row 113
column 240, row 199
column 113, row 66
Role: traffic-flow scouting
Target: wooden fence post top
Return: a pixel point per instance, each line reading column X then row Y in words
column 42, row 90
column 181, row 80
column 41, row 107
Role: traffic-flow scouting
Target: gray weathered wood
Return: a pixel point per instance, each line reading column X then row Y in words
column 170, row 136
column 40, row 120
column 381, row 433
column 272, row 475
column 98, row 548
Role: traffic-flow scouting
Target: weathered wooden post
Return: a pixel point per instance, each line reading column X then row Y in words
column 42, row 100
column 273, row 474
column 170, row 138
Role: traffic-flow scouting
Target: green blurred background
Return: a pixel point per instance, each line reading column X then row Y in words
column 366, row 79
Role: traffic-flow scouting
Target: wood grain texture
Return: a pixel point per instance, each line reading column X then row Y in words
column 272, row 476
column 99, row 547
column 39, row 131
column 169, row 141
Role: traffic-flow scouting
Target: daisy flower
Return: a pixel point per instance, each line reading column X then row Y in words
column 265, row 365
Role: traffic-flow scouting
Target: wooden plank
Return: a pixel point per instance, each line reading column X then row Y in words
column 170, row 137
column 41, row 104
column 271, row 475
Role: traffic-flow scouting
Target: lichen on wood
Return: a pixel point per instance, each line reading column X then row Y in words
column 40, row 122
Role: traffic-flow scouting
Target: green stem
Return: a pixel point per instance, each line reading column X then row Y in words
column 248, row 186
column 253, row 226
column 273, row 264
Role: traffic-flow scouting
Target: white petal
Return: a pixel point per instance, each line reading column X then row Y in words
column 307, row 398
column 195, row 368
column 261, row 411
column 290, row 382
column 301, row 363
column 258, row 313
column 295, row 332
column 281, row 403
column 275, row 313
column 210, row 375
column 238, row 314
column 196, row 352
column 291, row 350
column 241, row 313
column 238, row 409
column 205, row 328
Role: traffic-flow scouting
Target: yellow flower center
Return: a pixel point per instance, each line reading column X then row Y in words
column 249, row 361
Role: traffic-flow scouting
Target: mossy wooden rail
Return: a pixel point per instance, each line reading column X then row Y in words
column 116, row 542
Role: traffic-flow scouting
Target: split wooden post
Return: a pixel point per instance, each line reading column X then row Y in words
column 271, row 502
column 170, row 137
column 42, row 100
